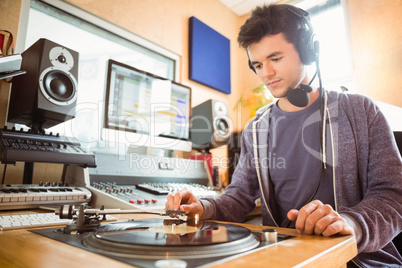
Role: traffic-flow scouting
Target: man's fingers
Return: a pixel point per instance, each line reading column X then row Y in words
column 181, row 200
column 304, row 213
column 177, row 199
column 292, row 214
column 339, row 226
column 319, row 219
column 184, row 200
column 173, row 201
column 323, row 223
column 169, row 202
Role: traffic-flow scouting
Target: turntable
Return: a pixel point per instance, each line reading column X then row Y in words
column 158, row 242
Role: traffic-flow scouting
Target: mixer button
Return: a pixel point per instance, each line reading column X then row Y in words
column 147, row 201
column 139, row 201
column 131, row 201
column 154, row 200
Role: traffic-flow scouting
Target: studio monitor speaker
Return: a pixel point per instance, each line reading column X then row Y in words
column 46, row 95
column 210, row 124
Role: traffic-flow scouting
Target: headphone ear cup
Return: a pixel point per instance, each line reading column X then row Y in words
column 306, row 46
column 298, row 97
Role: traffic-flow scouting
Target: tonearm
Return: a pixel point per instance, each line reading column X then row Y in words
column 89, row 219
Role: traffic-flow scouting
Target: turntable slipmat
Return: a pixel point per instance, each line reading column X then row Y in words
column 151, row 239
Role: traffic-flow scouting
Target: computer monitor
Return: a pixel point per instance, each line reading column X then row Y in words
column 145, row 110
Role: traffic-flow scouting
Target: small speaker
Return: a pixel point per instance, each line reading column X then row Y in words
column 46, row 95
column 210, row 124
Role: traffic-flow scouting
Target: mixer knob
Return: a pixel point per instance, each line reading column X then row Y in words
column 154, row 200
column 147, row 201
column 131, row 201
column 139, row 201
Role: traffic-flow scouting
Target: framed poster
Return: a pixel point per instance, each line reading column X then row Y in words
column 209, row 56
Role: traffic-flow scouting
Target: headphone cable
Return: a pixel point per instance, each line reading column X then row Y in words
column 312, row 79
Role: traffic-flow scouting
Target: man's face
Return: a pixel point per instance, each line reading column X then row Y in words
column 277, row 64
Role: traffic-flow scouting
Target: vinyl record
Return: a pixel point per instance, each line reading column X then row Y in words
column 155, row 239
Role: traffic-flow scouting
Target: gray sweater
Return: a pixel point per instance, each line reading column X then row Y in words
column 367, row 177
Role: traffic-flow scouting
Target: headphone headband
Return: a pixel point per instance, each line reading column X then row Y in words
column 306, row 45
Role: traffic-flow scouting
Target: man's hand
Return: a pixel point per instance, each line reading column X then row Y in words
column 317, row 218
column 186, row 201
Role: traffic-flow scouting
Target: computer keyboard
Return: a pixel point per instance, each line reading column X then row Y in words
column 9, row 222
column 21, row 221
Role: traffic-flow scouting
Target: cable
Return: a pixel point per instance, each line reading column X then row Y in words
column 318, row 72
column 312, row 79
column 321, row 122
column 4, row 173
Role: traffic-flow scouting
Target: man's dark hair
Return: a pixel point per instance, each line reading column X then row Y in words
column 270, row 20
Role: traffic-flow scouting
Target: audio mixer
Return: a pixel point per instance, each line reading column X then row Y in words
column 136, row 181
column 148, row 196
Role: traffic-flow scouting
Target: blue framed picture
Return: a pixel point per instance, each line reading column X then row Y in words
column 209, row 56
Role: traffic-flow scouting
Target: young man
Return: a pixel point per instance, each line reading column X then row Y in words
column 325, row 166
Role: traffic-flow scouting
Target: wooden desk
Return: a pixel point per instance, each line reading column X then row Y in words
column 21, row 248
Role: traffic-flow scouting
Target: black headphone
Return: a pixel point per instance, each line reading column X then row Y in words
column 308, row 48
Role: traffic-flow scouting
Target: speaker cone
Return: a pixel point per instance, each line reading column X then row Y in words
column 222, row 126
column 222, row 130
column 58, row 86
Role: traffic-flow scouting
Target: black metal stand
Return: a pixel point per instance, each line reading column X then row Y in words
column 28, row 173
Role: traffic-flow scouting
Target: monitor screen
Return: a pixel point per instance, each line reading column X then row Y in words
column 142, row 109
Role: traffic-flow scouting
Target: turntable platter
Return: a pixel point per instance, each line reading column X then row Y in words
column 155, row 239
column 150, row 242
